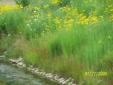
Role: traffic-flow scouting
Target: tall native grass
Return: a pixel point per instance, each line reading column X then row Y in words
column 12, row 22
column 66, row 37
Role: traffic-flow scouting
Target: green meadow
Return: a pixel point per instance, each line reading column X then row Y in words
column 65, row 37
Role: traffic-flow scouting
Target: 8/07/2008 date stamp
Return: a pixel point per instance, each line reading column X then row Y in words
column 96, row 73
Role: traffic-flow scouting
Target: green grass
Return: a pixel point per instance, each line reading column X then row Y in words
column 48, row 38
column 12, row 22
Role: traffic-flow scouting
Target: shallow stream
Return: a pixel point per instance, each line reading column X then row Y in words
column 10, row 75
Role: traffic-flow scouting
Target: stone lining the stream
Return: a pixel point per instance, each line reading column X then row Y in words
column 2, row 56
column 52, row 77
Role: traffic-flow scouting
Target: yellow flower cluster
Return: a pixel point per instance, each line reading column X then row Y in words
column 54, row 1
column 57, row 20
column 36, row 8
column 66, row 9
column 8, row 7
column 71, row 15
column 49, row 15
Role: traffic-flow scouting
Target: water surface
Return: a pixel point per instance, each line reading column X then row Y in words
column 10, row 75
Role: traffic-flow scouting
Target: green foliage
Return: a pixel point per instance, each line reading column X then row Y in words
column 63, row 2
column 13, row 53
column 12, row 22
column 7, row 47
column 2, row 83
column 30, row 57
column 99, row 43
column 55, row 47
column 5, row 43
column 67, row 42
column 37, row 27
column 24, row 3
column 62, row 43
column 90, row 43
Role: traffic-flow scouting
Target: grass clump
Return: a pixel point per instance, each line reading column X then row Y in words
column 66, row 37
column 12, row 22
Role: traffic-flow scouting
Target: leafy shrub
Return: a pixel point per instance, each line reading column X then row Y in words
column 63, row 2
column 24, row 3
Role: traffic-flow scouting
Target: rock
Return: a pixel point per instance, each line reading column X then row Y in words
column 24, row 65
column 20, row 63
column 36, row 70
column 16, row 61
column 44, row 73
column 49, row 75
column 71, row 83
column 28, row 68
column 61, row 80
column 33, row 69
column 66, row 81
column 56, row 77
column 2, row 56
column 13, row 61
column 19, row 59
column 37, row 73
column 99, row 81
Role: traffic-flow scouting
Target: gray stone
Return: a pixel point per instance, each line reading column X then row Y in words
column 2, row 56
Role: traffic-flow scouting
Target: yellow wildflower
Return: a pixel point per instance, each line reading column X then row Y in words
column 68, row 9
column 94, row 19
column 36, row 8
column 54, row 1
column 111, row 17
column 110, row 5
column 65, row 21
column 71, row 20
column 101, row 17
column 86, row 21
column 109, row 37
column 111, row 10
column 49, row 15
column 46, row 6
column 69, row 25
column 100, row 41
column 57, row 21
column 8, row 7
column 90, row 0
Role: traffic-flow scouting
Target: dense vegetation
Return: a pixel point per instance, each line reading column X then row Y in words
column 67, row 37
